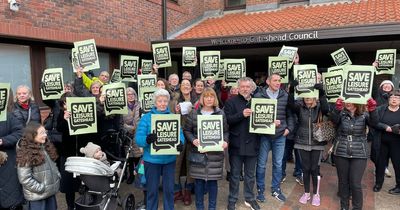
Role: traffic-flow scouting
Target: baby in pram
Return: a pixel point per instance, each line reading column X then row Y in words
column 94, row 151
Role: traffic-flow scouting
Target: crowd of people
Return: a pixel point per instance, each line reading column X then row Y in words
column 33, row 153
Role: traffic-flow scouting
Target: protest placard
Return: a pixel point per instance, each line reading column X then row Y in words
column 386, row 61
column 116, row 76
column 4, row 94
column 129, row 67
column 167, row 128
column 209, row 64
column 52, row 86
column 147, row 66
column 289, row 53
column 234, row 70
column 116, row 100
column 162, row 55
column 279, row 65
column 306, row 75
column 262, row 119
column 74, row 60
column 335, row 68
column 146, row 81
column 87, row 54
column 340, row 57
column 189, row 56
column 210, row 132
column 357, row 83
column 83, row 115
column 333, row 82
column 146, row 98
column 221, row 73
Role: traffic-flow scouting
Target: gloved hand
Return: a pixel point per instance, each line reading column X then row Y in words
column 293, row 85
column 371, row 105
column 396, row 129
column 179, row 148
column 320, row 87
column 90, row 73
column 41, row 85
column 339, row 104
column 151, row 138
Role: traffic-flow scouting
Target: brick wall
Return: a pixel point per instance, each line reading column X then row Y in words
column 255, row 2
column 214, row 4
column 122, row 24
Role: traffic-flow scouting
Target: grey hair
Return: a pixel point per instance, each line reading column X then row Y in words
column 161, row 92
column 130, row 89
column 173, row 75
column 247, row 79
column 29, row 92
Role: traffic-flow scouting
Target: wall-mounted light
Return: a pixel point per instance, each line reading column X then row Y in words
column 14, row 5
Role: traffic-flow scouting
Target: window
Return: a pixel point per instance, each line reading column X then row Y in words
column 15, row 65
column 59, row 58
column 235, row 4
column 291, row 1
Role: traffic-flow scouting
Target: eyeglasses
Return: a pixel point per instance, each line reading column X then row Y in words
column 43, row 132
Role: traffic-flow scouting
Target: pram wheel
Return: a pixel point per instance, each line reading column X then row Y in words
column 128, row 202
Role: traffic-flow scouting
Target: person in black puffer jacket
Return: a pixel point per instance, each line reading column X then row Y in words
column 350, row 148
column 25, row 109
column 308, row 111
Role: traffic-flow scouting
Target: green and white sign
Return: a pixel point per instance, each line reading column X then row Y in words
column 83, row 115
column 340, row 57
column 289, row 53
column 221, row 73
column 146, row 81
column 116, row 101
column 147, row 66
column 52, row 84
column 116, row 76
column 162, row 55
column 386, row 61
column 279, row 65
column 129, row 67
column 335, row 68
column 306, row 75
column 262, row 119
column 209, row 64
column 74, row 60
column 357, row 83
column 4, row 95
column 333, row 82
column 167, row 127
column 87, row 54
column 234, row 70
column 189, row 56
column 146, row 98
column 210, row 132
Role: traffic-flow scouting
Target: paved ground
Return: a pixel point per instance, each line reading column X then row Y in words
column 379, row 201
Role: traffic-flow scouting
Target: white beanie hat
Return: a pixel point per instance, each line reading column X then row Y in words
column 90, row 149
column 386, row 82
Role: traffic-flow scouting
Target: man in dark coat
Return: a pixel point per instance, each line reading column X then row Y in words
column 243, row 146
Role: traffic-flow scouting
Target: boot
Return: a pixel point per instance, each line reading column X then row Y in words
column 187, row 197
column 178, row 196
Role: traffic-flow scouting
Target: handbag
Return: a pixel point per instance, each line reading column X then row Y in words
column 323, row 130
column 197, row 158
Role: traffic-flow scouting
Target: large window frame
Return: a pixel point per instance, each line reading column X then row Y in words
column 228, row 7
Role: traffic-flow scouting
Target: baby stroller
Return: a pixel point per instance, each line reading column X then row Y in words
column 101, row 184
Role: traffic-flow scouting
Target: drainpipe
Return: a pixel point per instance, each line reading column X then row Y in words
column 164, row 19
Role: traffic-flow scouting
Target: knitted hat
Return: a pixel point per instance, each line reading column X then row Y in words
column 386, row 82
column 90, row 149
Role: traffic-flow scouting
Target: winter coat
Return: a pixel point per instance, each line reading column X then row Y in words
column 144, row 129
column 27, row 115
column 39, row 178
column 214, row 160
column 10, row 189
column 351, row 138
column 305, row 119
column 241, row 142
column 282, row 112
column 130, row 124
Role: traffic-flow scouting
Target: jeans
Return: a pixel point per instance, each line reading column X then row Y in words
column 350, row 172
column 180, row 160
column 153, row 173
column 237, row 163
column 278, row 148
column 49, row 203
column 199, row 189
column 297, row 164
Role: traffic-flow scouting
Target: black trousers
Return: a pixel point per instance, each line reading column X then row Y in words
column 309, row 163
column 350, row 172
column 388, row 149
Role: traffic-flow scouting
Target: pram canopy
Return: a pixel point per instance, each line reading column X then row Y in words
column 88, row 166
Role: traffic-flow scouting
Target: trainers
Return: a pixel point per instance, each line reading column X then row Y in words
column 387, row 173
column 231, row 206
column 305, row 198
column 279, row 195
column 252, row 204
column 299, row 180
column 283, row 179
column 316, row 200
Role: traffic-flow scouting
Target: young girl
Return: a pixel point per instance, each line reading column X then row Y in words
column 37, row 171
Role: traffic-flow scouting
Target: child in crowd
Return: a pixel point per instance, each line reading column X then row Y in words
column 94, row 151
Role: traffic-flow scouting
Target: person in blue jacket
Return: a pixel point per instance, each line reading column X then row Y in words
column 157, row 165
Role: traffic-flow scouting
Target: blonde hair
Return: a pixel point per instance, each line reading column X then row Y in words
column 209, row 92
column 29, row 92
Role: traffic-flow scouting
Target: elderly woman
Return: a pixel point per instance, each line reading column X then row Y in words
column 206, row 176
column 130, row 123
column 350, row 148
column 81, row 91
column 157, row 165
column 387, row 142
column 25, row 108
